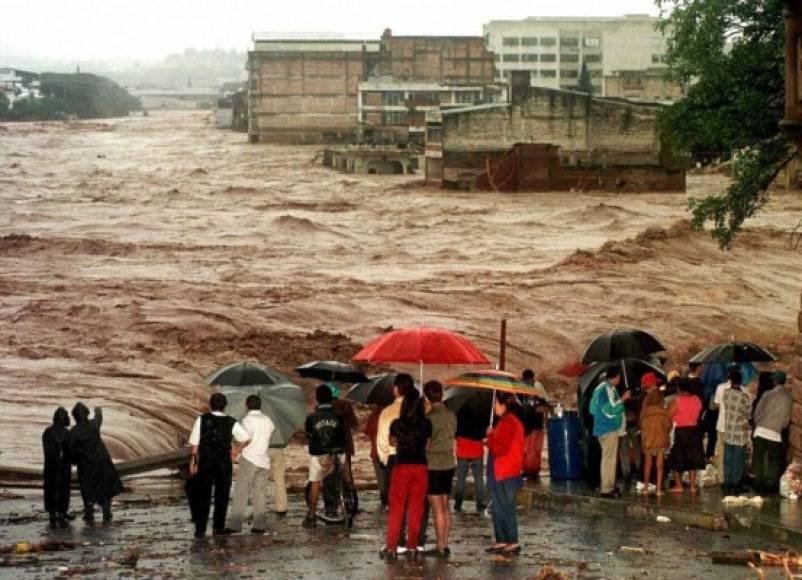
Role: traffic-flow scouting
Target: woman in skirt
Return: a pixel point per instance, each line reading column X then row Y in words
column 687, row 453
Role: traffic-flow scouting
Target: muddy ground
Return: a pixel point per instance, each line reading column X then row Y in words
column 138, row 254
column 153, row 539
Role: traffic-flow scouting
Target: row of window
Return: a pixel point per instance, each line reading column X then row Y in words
column 568, row 41
column 567, row 58
column 552, row 74
column 399, row 98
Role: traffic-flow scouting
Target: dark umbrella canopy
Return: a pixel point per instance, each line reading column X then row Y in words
column 331, row 371
column 245, row 374
column 634, row 370
column 285, row 404
column 378, row 390
column 621, row 344
column 471, row 406
column 734, row 352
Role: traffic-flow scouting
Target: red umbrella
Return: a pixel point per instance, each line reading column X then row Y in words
column 424, row 346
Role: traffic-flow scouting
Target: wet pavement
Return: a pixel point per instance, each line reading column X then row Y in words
column 152, row 538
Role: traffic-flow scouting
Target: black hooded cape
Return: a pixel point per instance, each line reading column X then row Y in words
column 56, row 447
column 97, row 475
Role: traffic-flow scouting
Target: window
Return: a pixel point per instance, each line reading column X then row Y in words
column 570, row 41
column 510, row 41
column 591, row 42
column 529, row 58
column 394, row 118
column 434, row 134
column 393, row 98
column 424, row 99
column 548, row 41
column 529, row 41
column 505, row 74
column 658, row 58
column 548, row 58
column 511, row 58
column 569, row 74
column 593, row 58
column 548, row 74
column 569, row 58
column 467, row 97
column 498, row 58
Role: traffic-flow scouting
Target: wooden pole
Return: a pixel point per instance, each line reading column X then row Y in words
column 502, row 355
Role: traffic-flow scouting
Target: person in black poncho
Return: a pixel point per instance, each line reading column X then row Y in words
column 97, row 475
column 55, row 444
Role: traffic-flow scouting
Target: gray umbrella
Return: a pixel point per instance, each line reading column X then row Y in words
column 285, row 404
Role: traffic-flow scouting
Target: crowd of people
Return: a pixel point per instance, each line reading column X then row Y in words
column 422, row 453
column 682, row 426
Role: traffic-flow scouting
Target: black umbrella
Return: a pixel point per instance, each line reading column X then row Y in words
column 333, row 371
column 472, row 408
column 378, row 390
column 621, row 344
column 734, row 352
column 245, row 374
column 634, row 369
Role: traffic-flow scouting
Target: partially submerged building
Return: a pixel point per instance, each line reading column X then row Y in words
column 329, row 89
column 550, row 139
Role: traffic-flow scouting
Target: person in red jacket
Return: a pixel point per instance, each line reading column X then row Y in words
column 506, row 442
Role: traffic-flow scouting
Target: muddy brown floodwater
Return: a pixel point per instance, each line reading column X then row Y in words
column 138, row 254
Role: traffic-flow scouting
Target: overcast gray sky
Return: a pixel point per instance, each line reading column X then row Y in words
column 150, row 29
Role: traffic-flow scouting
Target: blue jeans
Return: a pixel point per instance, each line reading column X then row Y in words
column 734, row 461
column 502, row 509
column 478, row 480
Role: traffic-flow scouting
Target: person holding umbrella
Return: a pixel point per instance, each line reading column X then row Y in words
column 506, row 442
column 607, row 408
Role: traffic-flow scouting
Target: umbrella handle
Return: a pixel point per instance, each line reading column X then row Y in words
column 492, row 408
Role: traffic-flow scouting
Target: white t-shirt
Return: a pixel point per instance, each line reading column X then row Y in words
column 260, row 428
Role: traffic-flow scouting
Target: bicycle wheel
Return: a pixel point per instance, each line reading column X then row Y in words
column 345, row 499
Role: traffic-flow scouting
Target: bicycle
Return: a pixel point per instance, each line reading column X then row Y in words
column 341, row 491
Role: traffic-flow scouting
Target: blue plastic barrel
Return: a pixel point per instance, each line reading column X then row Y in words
column 565, row 448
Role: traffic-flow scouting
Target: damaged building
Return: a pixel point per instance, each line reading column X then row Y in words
column 333, row 90
column 551, row 140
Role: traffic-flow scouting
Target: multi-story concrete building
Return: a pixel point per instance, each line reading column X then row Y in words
column 554, row 49
column 307, row 90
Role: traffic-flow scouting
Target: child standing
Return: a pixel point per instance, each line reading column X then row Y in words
column 655, row 428
column 687, row 454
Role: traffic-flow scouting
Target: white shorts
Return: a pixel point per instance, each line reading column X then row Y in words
column 321, row 465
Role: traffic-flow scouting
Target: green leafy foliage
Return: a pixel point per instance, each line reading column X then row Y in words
column 4, row 104
column 89, row 96
column 43, row 109
column 730, row 53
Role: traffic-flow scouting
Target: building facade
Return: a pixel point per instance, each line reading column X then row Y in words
column 553, row 50
column 312, row 90
column 642, row 85
column 583, row 142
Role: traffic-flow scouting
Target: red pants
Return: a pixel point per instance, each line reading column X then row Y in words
column 533, row 451
column 407, row 494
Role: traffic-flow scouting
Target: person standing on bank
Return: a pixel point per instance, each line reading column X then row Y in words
column 506, row 442
column 738, row 409
column 254, row 466
column 607, row 408
column 210, row 464
column 57, row 471
column 410, row 435
column 772, row 416
column 97, row 476
column 441, row 465
column 535, row 411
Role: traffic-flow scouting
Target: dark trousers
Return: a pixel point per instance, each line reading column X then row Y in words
column 476, row 467
column 709, row 420
column 382, row 479
column 734, row 462
column 502, row 509
column 215, row 475
column 767, row 462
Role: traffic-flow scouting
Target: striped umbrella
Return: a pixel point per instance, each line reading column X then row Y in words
column 497, row 381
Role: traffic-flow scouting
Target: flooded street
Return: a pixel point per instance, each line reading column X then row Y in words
column 138, row 254
column 148, row 541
